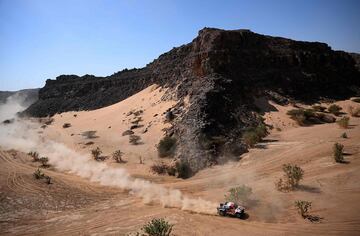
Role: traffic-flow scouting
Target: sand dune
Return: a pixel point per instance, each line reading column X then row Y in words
column 110, row 122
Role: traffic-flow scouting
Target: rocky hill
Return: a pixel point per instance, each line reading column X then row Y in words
column 221, row 71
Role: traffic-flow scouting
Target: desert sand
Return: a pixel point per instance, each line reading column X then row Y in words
column 73, row 205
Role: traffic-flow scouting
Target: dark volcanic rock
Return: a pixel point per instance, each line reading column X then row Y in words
column 237, row 59
column 222, row 72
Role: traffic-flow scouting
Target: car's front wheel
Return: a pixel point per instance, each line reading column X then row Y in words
column 221, row 213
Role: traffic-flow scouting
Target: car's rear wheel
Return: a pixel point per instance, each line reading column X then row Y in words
column 238, row 215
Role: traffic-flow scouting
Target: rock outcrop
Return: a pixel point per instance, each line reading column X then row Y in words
column 221, row 71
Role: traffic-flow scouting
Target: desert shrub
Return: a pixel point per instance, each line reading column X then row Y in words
column 254, row 135
column 356, row 100
column 117, row 156
column 183, row 169
column 96, row 153
column 343, row 122
column 171, row 170
column 302, row 116
column 297, row 115
column 338, row 152
column 44, row 161
column 167, row 146
column 34, row 155
column 134, row 139
column 292, row 176
column 280, row 185
column 334, row 109
column 158, row 227
column 344, row 135
column 66, row 125
column 159, row 168
column 136, row 126
column 127, row 132
column 239, row 195
column 301, row 111
column 250, row 138
column 303, row 207
column 318, row 108
column 261, row 130
column 354, row 112
column 137, row 113
column 90, row 134
column 137, row 120
column 38, row 174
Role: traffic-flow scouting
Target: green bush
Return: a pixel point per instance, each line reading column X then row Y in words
column 183, row 169
column 293, row 173
column 344, row 135
column 167, row 146
column 292, row 176
column 334, row 109
column 303, row 207
column 261, row 130
column 250, row 138
column 239, row 195
column 158, row 227
column 159, row 168
column 301, row 116
column 343, row 122
column 96, row 153
column 338, row 152
column 38, row 174
column 34, row 155
column 44, row 161
column 254, row 135
column 117, row 156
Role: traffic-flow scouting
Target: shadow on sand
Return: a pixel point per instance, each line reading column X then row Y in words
column 309, row 189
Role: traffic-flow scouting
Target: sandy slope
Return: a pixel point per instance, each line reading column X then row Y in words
column 333, row 188
column 110, row 122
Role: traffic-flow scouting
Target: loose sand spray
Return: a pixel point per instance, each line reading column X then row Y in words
column 22, row 135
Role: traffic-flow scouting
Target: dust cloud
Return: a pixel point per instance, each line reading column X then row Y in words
column 23, row 135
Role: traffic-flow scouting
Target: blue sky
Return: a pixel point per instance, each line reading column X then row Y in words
column 42, row 39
